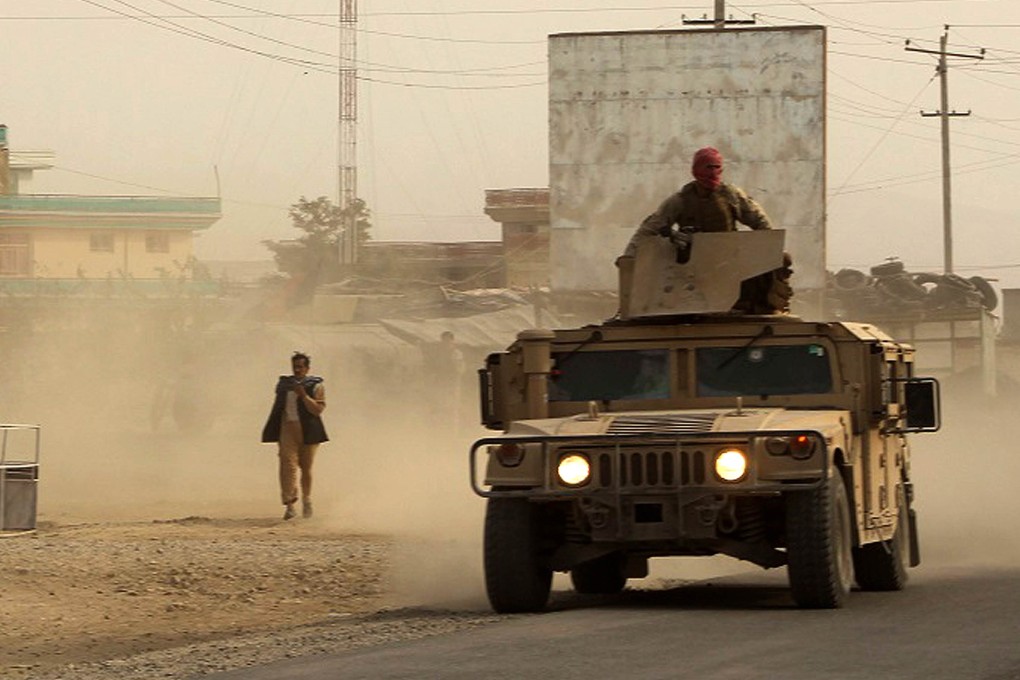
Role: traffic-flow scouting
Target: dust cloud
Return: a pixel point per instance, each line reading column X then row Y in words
column 158, row 414
column 966, row 475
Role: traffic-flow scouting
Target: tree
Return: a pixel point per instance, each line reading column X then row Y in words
column 314, row 257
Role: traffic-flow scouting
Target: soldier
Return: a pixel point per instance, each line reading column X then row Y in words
column 706, row 204
column 709, row 204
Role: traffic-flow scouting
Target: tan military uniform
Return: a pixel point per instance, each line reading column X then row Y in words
column 694, row 206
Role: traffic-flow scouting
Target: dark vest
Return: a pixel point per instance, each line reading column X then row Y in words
column 312, row 429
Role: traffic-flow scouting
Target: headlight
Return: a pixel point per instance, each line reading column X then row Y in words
column 574, row 469
column 730, row 465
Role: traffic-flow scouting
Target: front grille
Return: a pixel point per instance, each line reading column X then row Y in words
column 650, row 468
column 688, row 423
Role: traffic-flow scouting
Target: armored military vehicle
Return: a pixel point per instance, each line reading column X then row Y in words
column 684, row 428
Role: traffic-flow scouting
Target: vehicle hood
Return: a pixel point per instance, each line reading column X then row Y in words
column 831, row 423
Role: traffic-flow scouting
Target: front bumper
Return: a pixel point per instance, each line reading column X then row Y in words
column 635, row 465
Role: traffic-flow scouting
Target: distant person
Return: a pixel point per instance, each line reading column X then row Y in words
column 447, row 368
column 449, row 358
column 295, row 424
column 706, row 204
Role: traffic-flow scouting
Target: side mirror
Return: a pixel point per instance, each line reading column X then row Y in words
column 922, row 404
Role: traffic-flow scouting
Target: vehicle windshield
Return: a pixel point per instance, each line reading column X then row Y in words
column 610, row 376
column 763, row 370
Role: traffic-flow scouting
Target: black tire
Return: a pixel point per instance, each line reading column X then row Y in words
column 989, row 298
column 902, row 287
column 958, row 282
column 926, row 278
column 850, row 279
column 517, row 575
column 887, row 268
column 818, row 545
column 602, row 576
column 883, row 565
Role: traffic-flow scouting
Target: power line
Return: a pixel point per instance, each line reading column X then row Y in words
column 191, row 33
column 919, row 178
column 374, row 32
column 882, row 138
column 302, row 63
column 382, row 68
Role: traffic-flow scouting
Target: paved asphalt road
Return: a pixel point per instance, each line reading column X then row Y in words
column 950, row 623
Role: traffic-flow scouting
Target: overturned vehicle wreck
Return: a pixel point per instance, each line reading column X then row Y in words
column 688, row 427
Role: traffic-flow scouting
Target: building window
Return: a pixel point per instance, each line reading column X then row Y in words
column 157, row 242
column 14, row 255
column 101, row 242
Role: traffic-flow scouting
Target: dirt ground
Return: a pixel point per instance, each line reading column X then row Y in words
column 152, row 535
column 94, row 591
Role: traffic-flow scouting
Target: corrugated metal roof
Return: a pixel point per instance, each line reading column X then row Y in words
column 492, row 330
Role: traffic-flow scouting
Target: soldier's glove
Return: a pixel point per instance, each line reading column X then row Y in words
column 681, row 237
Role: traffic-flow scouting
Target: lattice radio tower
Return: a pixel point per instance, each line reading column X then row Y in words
column 347, row 122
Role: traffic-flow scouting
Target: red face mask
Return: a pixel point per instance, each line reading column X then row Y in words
column 707, row 168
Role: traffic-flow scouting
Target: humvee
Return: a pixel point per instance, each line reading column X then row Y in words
column 682, row 428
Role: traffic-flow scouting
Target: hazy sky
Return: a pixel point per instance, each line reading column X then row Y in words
column 453, row 101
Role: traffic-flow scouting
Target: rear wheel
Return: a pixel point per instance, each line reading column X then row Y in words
column 818, row 545
column 602, row 576
column 883, row 565
column 517, row 575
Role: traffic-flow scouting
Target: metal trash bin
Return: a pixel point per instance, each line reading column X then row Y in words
column 19, row 476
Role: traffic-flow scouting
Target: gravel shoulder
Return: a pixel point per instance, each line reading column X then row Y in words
column 192, row 596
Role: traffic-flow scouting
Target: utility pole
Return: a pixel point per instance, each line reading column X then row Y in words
column 945, row 114
column 719, row 21
column 347, row 127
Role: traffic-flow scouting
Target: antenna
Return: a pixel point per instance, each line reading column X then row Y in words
column 347, row 128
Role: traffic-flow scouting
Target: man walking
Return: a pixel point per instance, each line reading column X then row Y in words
column 295, row 424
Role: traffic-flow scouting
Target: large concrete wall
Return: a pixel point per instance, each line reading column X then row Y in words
column 628, row 110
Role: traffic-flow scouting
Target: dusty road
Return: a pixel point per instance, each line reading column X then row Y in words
column 160, row 553
column 951, row 623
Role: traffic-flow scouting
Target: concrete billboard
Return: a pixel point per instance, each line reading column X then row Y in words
column 627, row 110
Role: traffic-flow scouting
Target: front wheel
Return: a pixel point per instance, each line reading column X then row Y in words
column 517, row 575
column 818, row 545
column 883, row 565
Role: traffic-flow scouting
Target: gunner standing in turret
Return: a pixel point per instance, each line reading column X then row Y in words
column 706, row 204
column 709, row 204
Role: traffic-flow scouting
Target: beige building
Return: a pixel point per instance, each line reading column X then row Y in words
column 68, row 237
column 524, row 214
